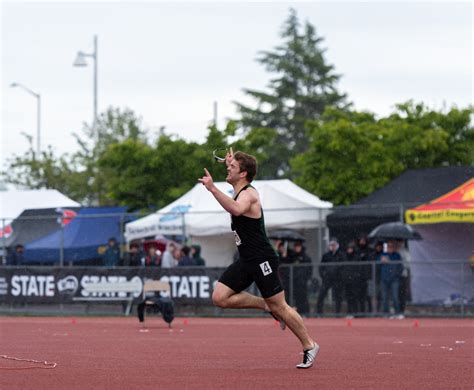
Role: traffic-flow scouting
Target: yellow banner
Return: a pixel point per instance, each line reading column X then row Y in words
column 414, row 217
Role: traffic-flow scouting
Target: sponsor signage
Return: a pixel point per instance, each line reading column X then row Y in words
column 63, row 285
column 455, row 206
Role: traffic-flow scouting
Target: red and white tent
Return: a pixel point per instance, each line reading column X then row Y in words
column 441, row 269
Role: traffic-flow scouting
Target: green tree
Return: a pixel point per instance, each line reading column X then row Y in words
column 150, row 177
column 303, row 86
column 112, row 127
column 77, row 175
column 352, row 154
column 46, row 170
column 129, row 177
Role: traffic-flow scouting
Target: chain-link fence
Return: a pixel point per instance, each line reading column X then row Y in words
column 437, row 280
column 444, row 287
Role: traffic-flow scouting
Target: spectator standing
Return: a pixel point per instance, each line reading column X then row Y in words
column 301, row 275
column 331, row 276
column 350, row 278
column 196, row 255
column 133, row 258
column 364, row 275
column 186, row 260
column 390, row 271
column 17, row 257
column 282, row 251
column 374, row 290
column 168, row 260
column 404, row 289
column 284, row 272
column 111, row 256
column 153, row 258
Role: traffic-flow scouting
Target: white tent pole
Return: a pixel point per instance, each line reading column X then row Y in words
column 183, row 219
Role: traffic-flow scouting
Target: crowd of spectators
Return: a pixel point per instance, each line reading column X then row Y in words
column 173, row 256
column 359, row 275
column 362, row 284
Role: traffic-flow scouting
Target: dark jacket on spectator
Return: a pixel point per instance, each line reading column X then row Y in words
column 351, row 273
column 365, row 254
column 16, row 258
column 186, row 261
column 197, row 256
column 133, row 259
column 332, row 272
column 300, row 273
column 112, row 256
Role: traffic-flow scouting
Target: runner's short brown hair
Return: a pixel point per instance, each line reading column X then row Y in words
column 247, row 163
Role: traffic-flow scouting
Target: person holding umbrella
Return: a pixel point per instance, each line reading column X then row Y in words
column 390, row 272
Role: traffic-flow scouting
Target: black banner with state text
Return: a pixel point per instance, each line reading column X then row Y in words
column 189, row 285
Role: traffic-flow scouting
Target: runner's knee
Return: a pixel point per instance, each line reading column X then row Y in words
column 219, row 299
column 276, row 307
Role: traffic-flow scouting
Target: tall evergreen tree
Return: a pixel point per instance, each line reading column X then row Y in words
column 304, row 84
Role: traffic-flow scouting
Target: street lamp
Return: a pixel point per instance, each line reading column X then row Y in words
column 38, row 114
column 81, row 62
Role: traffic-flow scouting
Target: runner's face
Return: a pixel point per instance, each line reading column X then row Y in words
column 233, row 172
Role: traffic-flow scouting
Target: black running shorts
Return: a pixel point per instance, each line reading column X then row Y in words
column 240, row 275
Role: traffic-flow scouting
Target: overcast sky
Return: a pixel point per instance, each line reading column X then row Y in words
column 169, row 61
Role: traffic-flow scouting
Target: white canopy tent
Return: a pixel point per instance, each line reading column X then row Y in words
column 14, row 202
column 198, row 216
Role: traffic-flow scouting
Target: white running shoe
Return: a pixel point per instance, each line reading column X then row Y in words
column 309, row 356
column 282, row 323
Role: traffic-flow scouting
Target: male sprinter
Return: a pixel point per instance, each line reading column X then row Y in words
column 258, row 261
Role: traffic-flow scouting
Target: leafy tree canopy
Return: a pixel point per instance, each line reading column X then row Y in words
column 351, row 154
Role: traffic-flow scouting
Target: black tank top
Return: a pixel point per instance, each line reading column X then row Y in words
column 251, row 237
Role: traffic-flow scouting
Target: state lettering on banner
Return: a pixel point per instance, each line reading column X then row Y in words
column 32, row 285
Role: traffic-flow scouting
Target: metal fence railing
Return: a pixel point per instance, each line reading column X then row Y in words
column 441, row 287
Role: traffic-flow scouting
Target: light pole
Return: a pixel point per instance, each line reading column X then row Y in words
column 81, row 62
column 38, row 113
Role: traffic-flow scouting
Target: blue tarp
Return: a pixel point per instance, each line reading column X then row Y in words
column 82, row 237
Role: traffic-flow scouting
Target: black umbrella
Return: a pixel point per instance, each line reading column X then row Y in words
column 286, row 235
column 395, row 230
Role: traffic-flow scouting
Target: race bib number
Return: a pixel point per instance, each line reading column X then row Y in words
column 238, row 241
column 266, row 269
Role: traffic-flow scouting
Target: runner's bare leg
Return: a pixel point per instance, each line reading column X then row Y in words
column 277, row 304
column 225, row 297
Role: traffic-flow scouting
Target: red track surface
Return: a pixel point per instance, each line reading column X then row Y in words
column 219, row 353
